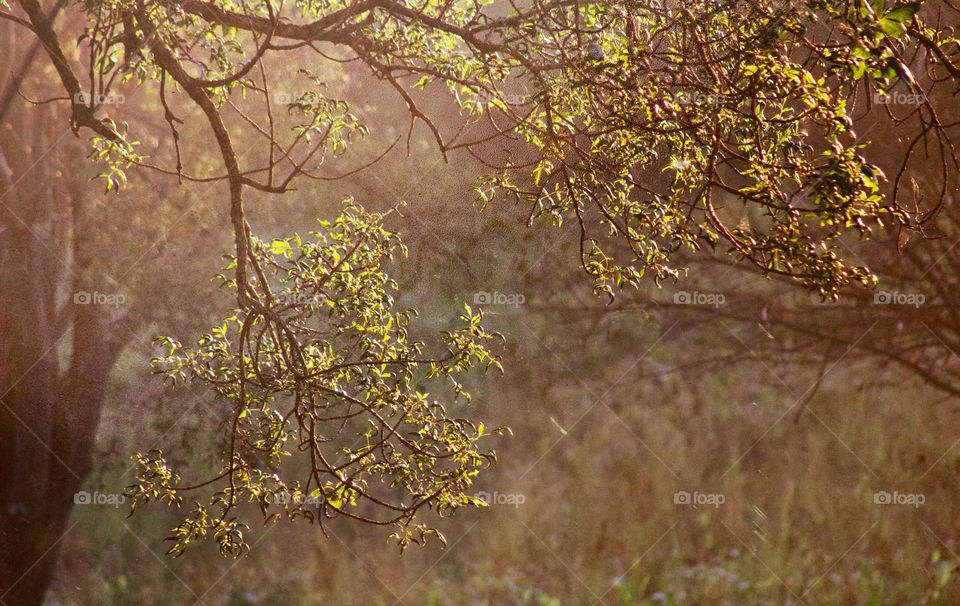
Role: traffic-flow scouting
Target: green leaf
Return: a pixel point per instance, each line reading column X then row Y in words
column 904, row 12
column 280, row 247
column 891, row 27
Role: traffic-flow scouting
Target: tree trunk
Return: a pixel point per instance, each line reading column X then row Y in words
column 50, row 396
column 40, row 480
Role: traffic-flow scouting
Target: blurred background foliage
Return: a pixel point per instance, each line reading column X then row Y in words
column 613, row 409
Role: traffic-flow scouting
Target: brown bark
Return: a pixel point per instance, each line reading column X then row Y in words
column 50, row 402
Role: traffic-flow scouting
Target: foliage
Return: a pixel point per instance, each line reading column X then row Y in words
column 328, row 391
column 654, row 127
column 742, row 107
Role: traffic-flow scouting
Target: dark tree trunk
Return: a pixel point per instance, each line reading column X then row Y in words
column 55, row 356
column 40, row 479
